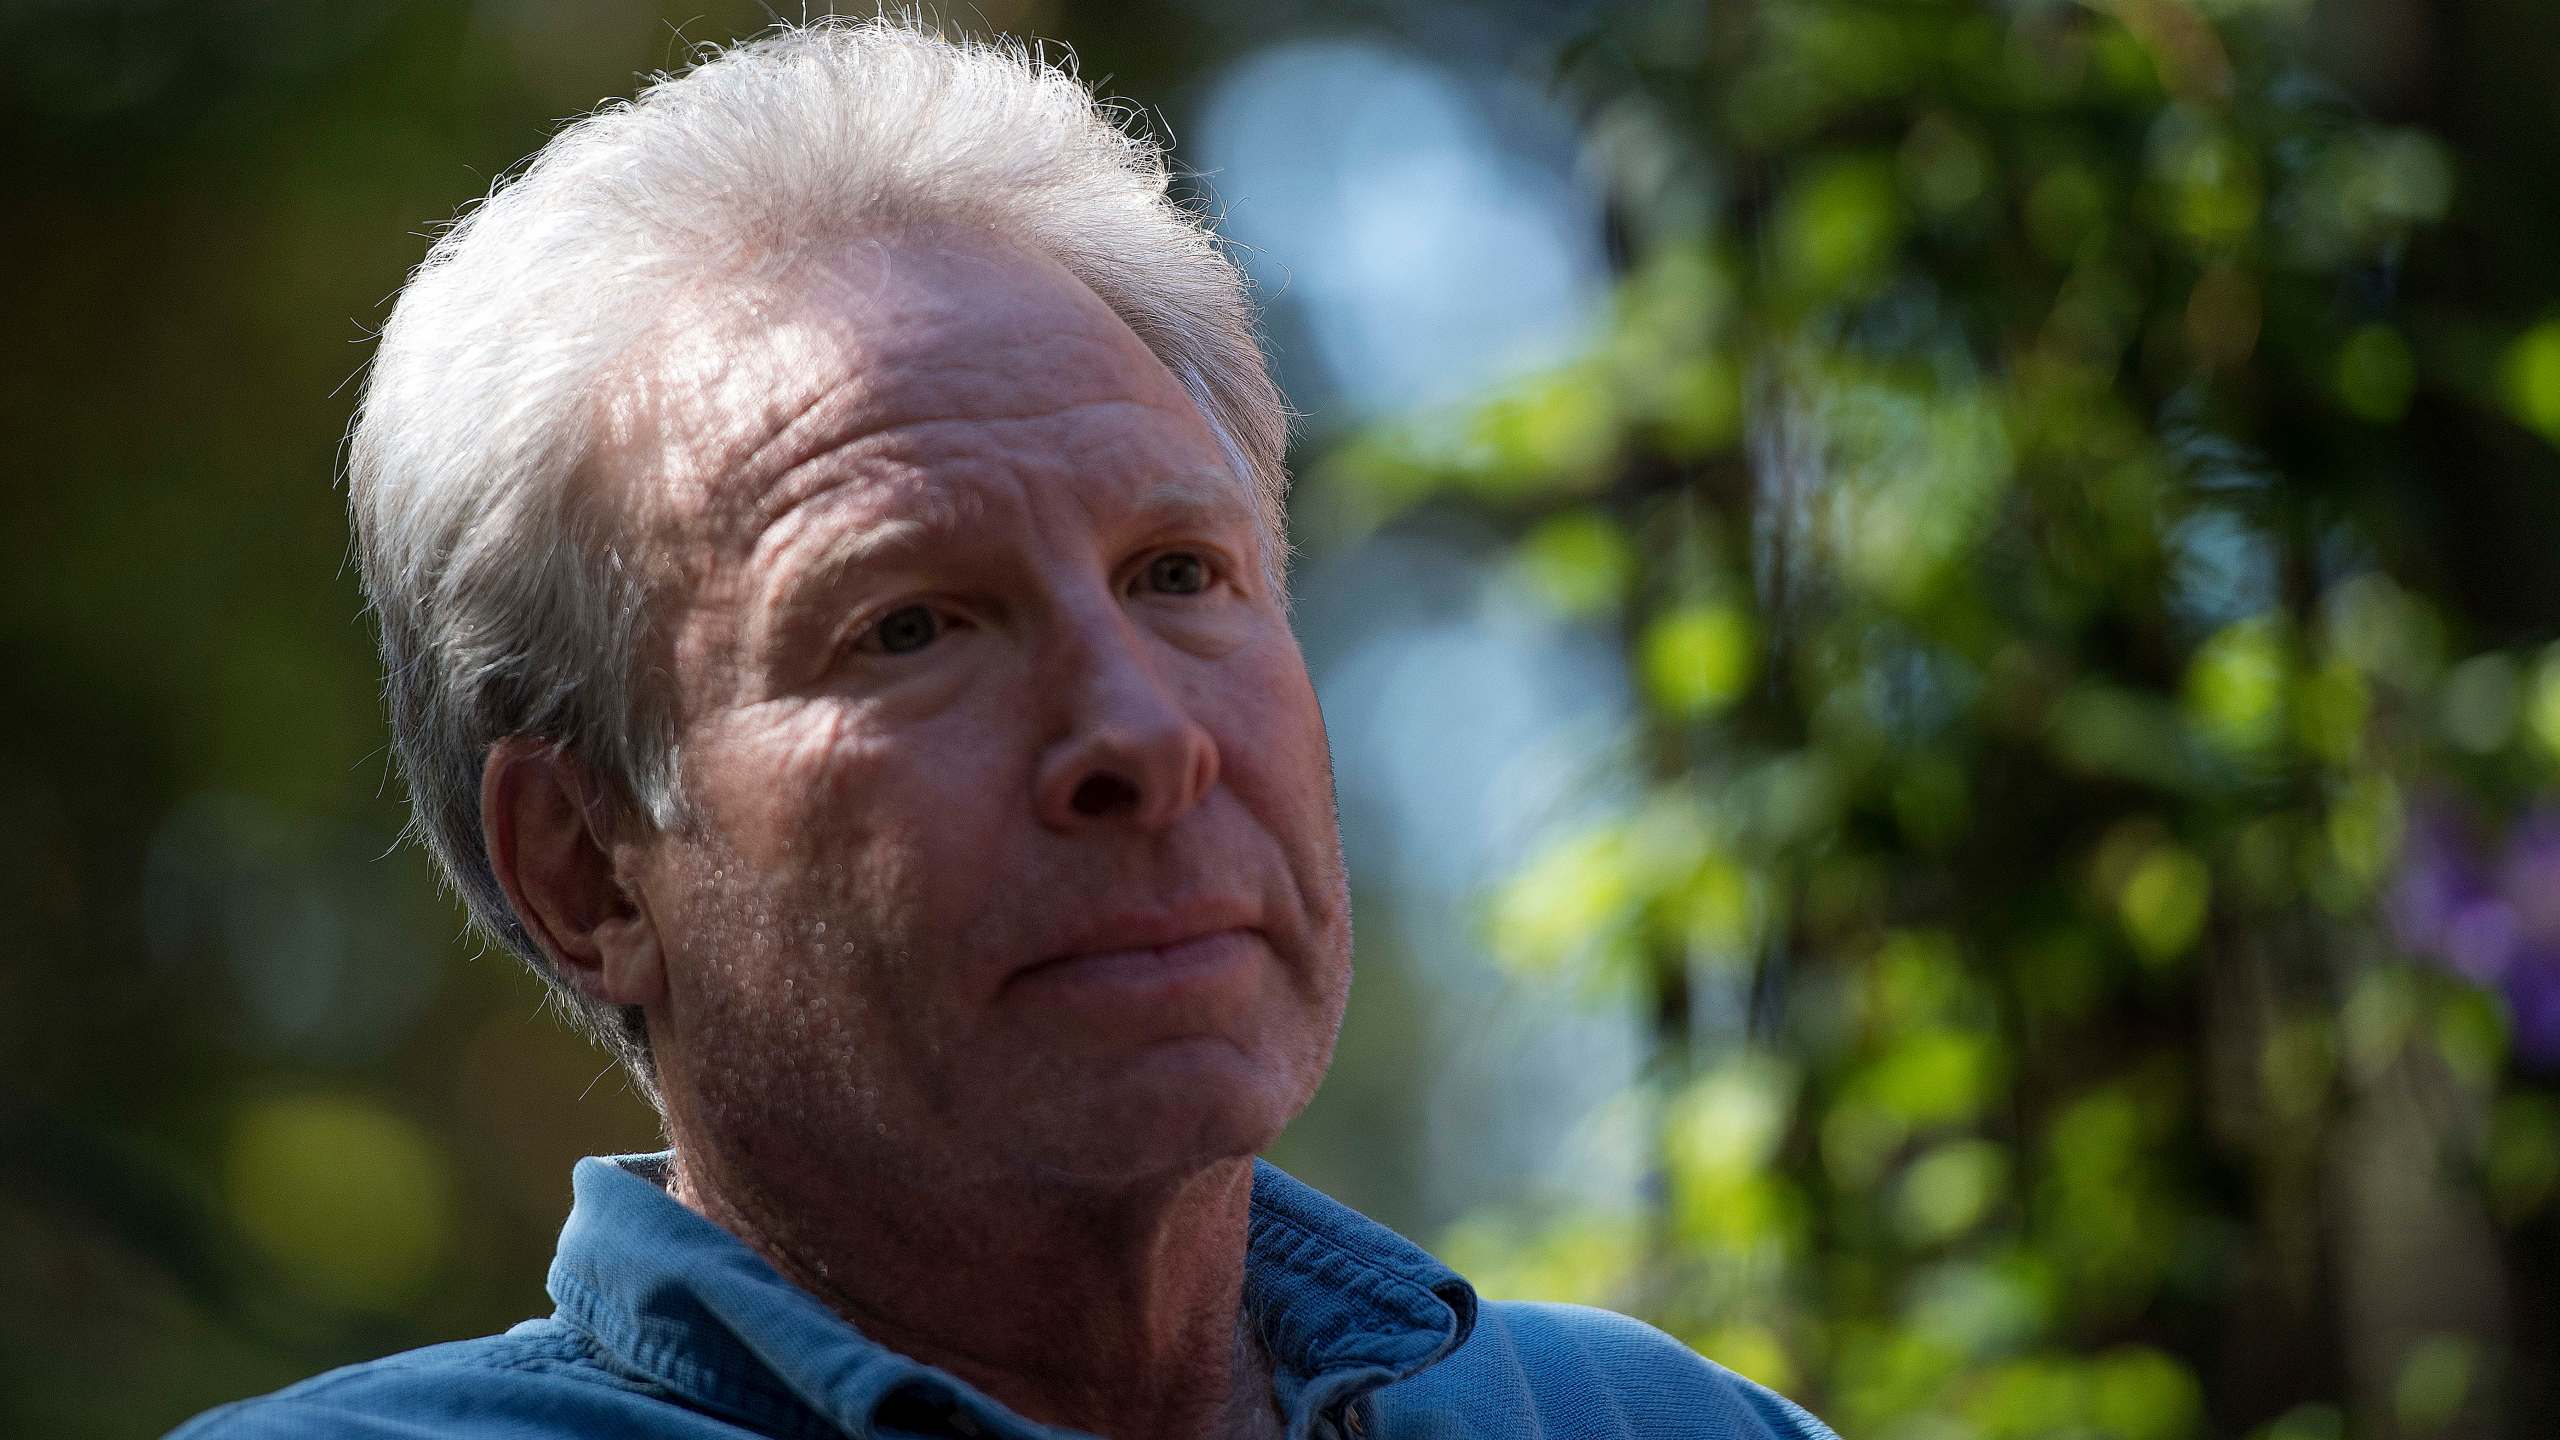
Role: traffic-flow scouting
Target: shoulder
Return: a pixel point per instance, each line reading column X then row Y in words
column 540, row 1379
column 1569, row 1371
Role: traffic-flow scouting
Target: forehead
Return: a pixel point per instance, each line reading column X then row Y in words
column 927, row 355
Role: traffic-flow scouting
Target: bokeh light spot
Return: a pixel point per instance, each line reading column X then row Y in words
column 1837, row 226
column 1948, row 1190
column 2434, row 1379
column 1699, row 659
column 2532, row 373
column 349, row 1200
column 2164, row 902
column 2235, row 687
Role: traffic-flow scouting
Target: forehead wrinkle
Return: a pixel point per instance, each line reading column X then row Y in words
column 901, row 363
column 680, row 409
column 882, row 372
column 884, row 321
column 866, row 515
column 766, row 470
column 819, row 464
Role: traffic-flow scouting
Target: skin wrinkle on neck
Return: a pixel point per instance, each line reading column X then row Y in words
column 1240, row 1391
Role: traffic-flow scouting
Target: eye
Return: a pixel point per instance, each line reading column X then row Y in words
column 1177, row 572
column 904, row 631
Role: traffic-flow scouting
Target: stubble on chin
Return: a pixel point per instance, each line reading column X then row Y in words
column 816, row 1046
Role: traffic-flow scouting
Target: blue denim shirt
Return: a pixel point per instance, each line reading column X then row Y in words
column 670, row 1328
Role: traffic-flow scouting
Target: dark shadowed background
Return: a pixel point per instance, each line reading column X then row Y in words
column 1939, row 620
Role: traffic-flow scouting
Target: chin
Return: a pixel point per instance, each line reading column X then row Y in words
column 1180, row 1111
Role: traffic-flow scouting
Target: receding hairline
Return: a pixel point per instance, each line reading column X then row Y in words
column 722, row 326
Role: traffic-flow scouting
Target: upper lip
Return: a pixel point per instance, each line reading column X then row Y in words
column 1151, row 928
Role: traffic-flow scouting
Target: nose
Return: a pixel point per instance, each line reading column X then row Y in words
column 1127, row 750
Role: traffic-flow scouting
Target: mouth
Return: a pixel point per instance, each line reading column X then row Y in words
column 1133, row 957
column 1144, row 962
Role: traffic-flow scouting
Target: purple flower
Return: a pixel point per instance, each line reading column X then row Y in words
column 2479, row 939
column 2533, row 1000
column 2489, row 913
column 2530, row 879
column 2441, row 881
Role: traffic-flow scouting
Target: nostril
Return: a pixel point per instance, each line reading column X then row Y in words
column 1105, row 794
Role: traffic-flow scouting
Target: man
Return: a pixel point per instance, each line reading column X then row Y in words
column 824, row 520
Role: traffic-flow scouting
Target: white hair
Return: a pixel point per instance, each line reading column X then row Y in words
column 510, row 606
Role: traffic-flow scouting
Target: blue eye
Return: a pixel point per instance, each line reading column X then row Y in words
column 905, row 630
column 1177, row 572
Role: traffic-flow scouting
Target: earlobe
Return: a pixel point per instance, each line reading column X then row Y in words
column 541, row 822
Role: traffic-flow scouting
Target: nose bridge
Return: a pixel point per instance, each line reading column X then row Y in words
column 1124, row 741
column 1099, row 660
column 1104, row 646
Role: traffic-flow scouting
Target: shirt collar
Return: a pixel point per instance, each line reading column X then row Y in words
column 1345, row 1305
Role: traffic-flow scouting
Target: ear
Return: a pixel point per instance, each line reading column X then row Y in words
column 541, row 819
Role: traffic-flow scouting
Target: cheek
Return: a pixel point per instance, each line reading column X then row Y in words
column 1272, row 731
column 833, row 812
column 1273, row 755
column 796, row 875
column 780, row 780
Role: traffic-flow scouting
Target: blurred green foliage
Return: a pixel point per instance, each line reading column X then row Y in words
column 2030, row 473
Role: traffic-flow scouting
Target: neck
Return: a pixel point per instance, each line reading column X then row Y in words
column 1113, row 1310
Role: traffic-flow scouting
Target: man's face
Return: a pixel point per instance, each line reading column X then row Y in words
column 1013, row 842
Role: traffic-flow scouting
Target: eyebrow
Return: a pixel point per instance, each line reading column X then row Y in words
column 1196, row 498
column 809, row 575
